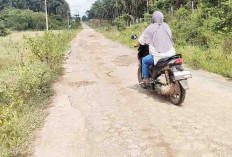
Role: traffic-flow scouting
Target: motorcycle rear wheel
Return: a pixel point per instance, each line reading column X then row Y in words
column 179, row 95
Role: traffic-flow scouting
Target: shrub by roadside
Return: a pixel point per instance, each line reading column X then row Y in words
column 3, row 30
column 16, row 19
column 25, row 88
column 19, row 20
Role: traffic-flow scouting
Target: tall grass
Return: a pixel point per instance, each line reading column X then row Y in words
column 28, row 67
column 210, row 58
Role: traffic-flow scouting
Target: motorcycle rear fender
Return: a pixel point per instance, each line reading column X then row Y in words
column 184, row 84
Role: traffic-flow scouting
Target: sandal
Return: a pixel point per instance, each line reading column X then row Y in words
column 144, row 81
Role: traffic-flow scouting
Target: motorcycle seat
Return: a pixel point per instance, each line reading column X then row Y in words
column 165, row 61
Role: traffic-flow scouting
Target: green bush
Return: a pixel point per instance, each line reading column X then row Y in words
column 126, row 17
column 182, row 14
column 3, row 30
column 184, row 27
column 213, row 24
column 56, row 22
column 17, row 19
column 50, row 47
column 119, row 23
column 191, row 29
column 227, row 45
column 148, row 17
column 208, row 59
column 27, row 88
column 38, row 21
column 75, row 25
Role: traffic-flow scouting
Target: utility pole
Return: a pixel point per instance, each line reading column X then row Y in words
column 192, row 7
column 46, row 12
column 68, row 18
column 172, row 12
column 148, row 6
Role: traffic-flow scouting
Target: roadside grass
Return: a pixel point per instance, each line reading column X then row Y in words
column 211, row 59
column 15, row 36
column 29, row 64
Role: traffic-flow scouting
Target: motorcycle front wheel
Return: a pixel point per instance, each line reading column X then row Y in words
column 178, row 96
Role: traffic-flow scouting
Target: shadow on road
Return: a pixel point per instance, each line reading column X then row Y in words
column 151, row 94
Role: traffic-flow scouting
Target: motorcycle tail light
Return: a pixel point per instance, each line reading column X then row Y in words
column 178, row 61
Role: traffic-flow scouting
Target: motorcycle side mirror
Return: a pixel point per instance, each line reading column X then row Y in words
column 133, row 37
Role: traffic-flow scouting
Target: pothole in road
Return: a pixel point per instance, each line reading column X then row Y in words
column 109, row 74
column 90, row 36
column 124, row 60
column 82, row 83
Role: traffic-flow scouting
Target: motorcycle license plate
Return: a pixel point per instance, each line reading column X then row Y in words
column 181, row 75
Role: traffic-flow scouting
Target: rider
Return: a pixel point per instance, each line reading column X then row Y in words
column 159, row 38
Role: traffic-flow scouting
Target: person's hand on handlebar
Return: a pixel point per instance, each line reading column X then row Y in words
column 137, row 45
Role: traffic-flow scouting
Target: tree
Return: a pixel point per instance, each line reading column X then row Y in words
column 111, row 9
column 77, row 18
column 57, row 7
column 3, row 30
column 84, row 18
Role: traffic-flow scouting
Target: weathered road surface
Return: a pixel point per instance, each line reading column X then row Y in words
column 100, row 110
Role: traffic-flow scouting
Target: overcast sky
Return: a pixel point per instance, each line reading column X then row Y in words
column 80, row 6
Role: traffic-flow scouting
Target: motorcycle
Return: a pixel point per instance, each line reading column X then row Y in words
column 167, row 77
